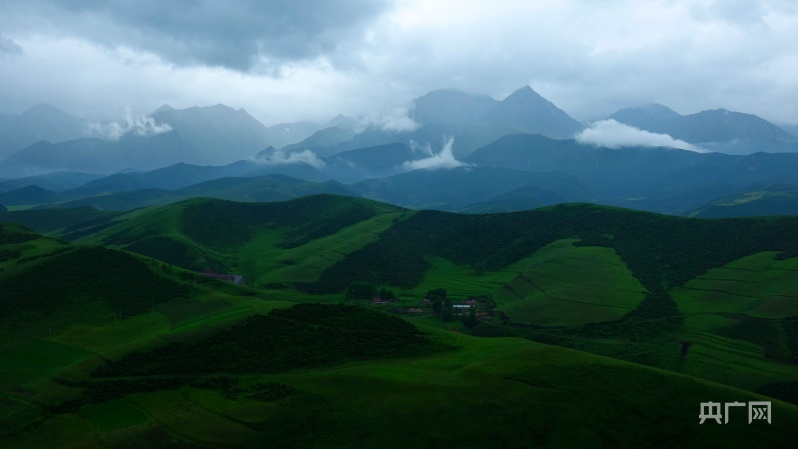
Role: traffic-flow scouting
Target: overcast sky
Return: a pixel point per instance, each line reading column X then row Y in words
column 311, row 59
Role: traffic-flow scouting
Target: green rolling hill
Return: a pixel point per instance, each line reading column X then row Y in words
column 581, row 298
column 577, row 275
column 266, row 242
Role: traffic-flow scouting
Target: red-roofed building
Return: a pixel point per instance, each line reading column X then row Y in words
column 234, row 278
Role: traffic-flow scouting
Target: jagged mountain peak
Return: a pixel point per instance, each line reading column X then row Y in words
column 163, row 107
column 523, row 94
column 527, row 111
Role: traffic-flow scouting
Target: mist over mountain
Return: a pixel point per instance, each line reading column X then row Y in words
column 220, row 134
column 214, row 135
column 28, row 195
column 323, row 138
column 792, row 129
column 411, row 156
column 652, row 117
column 41, row 122
column 473, row 120
column 57, row 181
column 5, row 119
column 717, row 129
column 451, row 106
column 657, row 179
column 371, row 162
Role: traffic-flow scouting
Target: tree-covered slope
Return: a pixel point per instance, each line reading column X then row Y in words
column 662, row 251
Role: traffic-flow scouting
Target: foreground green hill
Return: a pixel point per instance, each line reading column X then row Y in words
column 191, row 362
column 615, row 290
column 346, row 376
column 606, row 280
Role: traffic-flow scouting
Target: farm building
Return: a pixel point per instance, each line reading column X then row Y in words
column 234, row 278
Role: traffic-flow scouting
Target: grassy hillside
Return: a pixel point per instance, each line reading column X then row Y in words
column 266, row 242
column 602, row 279
column 681, row 248
column 193, row 362
column 51, row 288
column 610, row 291
column 571, row 286
column 511, row 392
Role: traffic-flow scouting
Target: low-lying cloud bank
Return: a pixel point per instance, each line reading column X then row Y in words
column 612, row 134
column 140, row 126
column 444, row 159
column 279, row 157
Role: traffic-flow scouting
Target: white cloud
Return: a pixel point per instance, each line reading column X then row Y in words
column 444, row 159
column 396, row 120
column 612, row 134
column 140, row 126
column 279, row 157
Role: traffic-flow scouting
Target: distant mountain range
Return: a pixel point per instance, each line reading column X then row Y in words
column 473, row 120
column 475, row 154
column 717, row 130
column 516, row 172
column 41, row 122
column 718, row 125
column 654, row 179
column 47, row 139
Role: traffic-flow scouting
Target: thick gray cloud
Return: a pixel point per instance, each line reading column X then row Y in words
column 9, row 47
column 311, row 59
column 241, row 35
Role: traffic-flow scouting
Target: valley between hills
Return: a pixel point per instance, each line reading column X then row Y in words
column 360, row 320
column 494, row 275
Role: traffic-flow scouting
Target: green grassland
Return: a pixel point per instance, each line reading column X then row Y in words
column 730, row 345
column 571, row 286
column 735, row 315
column 758, row 286
column 195, row 362
column 471, row 392
column 264, row 242
column 583, row 269
column 62, row 303
column 596, row 285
